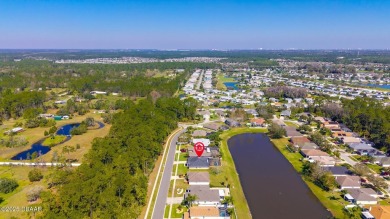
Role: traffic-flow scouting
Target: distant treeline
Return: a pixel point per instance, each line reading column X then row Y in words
column 362, row 56
column 127, row 78
column 112, row 181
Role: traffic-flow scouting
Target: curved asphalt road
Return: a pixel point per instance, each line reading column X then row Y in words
column 159, row 207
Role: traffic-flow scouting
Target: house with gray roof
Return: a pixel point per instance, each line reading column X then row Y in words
column 213, row 126
column 338, row 171
column 198, row 163
column 232, row 123
column 362, row 196
column 205, row 196
column 286, row 113
column 199, row 133
column 384, row 162
column 348, row 182
column 361, row 148
column 198, row 178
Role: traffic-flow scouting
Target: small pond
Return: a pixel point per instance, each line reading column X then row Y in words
column 41, row 149
column 231, row 85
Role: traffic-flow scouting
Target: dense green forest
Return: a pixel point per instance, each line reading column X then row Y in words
column 14, row 104
column 370, row 118
column 112, row 181
column 127, row 78
column 367, row 117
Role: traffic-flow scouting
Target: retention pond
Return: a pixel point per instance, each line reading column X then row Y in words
column 271, row 185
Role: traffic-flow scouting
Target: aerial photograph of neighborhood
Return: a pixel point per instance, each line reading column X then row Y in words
column 194, row 109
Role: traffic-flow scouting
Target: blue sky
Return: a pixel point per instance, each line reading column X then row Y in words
column 195, row 24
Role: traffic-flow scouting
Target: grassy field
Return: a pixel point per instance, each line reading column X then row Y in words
column 51, row 141
column 35, row 134
column 18, row 196
column 229, row 170
column 175, row 212
column 326, row 198
column 222, row 79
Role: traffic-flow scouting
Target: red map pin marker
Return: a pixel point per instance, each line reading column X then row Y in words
column 199, row 148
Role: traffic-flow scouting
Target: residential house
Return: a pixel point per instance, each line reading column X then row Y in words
column 232, row 123
column 199, row 133
column 198, row 163
column 257, row 122
column 380, row 211
column 384, row 162
column 338, row 133
column 348, row 140
column 286, row 113
column 309, row 145
column 338, row 171
column 205, row 196
column 299, row 141
column 212, row 126
column 348, row 182
column 362, row 196
column 319, row 119
column 310, row 153
column 361, row 148
column 205, row 212
column 198, row 178
column 291, row 131
column 367, row 215
column 324, row 161
column 330, row 125
column 205, row 141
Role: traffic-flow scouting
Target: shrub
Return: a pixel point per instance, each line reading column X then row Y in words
column 276, row 131
column 35, row 175
column 34, row 193
column 7, row 185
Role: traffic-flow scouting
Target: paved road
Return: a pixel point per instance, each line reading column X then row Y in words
column 159, row 207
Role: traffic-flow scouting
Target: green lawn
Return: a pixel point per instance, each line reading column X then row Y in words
column 326, row 198
column 183, row 156
column 180, row 184
column 182, row 169
column 230, row 171
column 291, row 124
column 51, row 141
column 375, row 168
column 175, row 213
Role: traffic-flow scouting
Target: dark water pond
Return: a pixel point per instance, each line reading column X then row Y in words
column 271, row 185
column 41, row 149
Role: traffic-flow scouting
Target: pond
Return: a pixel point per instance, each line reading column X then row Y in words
column 231, row 85
column 41, row 149
column 383, row 86
column 271, row 185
